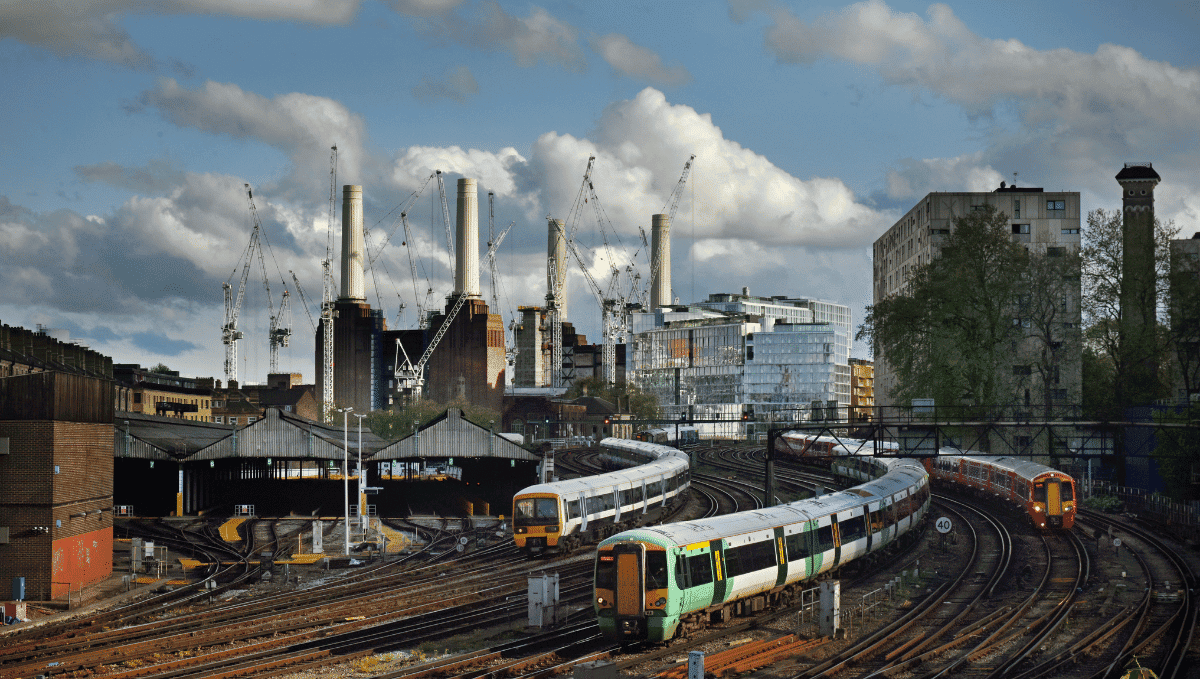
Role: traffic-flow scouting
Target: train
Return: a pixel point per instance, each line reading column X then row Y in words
column 564, row 515
column 675, row 435
column 1043, row 495
column 653, row 583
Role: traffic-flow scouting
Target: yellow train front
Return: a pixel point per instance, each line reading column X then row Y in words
column 1046, row 496
column 537, row 521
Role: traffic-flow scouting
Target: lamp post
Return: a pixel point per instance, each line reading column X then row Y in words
column 346, row 469
column 362, row 514
column 417, row 440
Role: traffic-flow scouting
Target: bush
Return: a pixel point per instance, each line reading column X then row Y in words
column 1104, row 503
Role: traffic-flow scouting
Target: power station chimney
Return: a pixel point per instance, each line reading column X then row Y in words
column 466, row 245
column 353, row 286
column 660, row 247
column 556, row 251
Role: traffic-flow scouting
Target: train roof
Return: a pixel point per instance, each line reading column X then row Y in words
column 669, row 460
column 702, row 530
column 1026, row 469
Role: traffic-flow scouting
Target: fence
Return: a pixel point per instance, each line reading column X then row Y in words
column 1183, row 518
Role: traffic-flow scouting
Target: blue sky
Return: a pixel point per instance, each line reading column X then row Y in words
column 132, row 126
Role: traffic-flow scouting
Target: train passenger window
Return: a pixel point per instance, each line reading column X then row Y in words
column 682, row 579
column 876, row 520
column 853, row 529
column 1039, row 492
column 824, row 538
column 700, row 569
column 750, row 558
column 656, row 570
column 572, row 509
column 606, row 571
column 637, row 495
column 797, row 545
column 595, row 504
column 626, row 497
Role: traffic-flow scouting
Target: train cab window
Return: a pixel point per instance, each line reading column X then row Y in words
column 536, row 510
column 699, row 569
column 1039, row 492
column 1068, row 492
column 853, row 529
column 606, row 571
column 656, row 570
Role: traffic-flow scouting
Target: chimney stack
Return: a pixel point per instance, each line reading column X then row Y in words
column 660, row 246
column 466, row 246
column 353, row 286
column 556, row 251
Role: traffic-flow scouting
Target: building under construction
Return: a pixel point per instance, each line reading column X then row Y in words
column 468, row 362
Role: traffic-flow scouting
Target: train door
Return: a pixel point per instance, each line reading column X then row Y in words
column 628, row 597
column 1054, row 508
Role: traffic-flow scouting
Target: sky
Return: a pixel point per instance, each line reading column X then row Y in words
column 133, row 126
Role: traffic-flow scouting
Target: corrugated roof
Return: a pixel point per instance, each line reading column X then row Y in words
column 450, row 435
column 289, row 436
column 162, row 438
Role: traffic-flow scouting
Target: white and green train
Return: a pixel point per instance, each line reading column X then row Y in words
column 656, row 582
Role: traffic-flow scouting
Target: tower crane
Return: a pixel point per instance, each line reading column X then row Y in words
column 233, row 304
column 510, row 348
column 281, row 330
column 669, row 210
column 411, row 377
column 446, row 220
column 303, row 300
column 328, row 293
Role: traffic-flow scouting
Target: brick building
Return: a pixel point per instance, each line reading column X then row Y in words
column 56, row 482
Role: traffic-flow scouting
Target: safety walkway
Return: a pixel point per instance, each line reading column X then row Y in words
column 229, row 530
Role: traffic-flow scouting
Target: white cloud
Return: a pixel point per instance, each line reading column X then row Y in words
column 915, row 178
column 488, row 27
column 636, row 61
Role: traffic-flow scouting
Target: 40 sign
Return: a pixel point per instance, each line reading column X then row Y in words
column 943, row 524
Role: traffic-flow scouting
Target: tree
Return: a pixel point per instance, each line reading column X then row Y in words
column 1102, row 258
column 642, row 405
column 950, row 336
column 161, row 368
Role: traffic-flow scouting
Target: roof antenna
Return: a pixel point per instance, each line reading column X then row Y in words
column 1014, row 179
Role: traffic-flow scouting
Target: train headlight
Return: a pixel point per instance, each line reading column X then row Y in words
column 1038, row 508
column 519, row 530
column 662, row 601
column 600, row 600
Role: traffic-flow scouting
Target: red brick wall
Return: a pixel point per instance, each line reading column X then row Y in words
column 73, row 505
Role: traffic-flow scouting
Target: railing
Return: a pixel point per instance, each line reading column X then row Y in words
column 1163, row 510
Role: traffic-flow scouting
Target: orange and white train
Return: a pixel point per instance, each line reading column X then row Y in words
column 1044, row 494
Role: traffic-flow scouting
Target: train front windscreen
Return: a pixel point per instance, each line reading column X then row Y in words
column 536, row 511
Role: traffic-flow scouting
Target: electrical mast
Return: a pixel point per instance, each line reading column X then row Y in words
column 328, row 294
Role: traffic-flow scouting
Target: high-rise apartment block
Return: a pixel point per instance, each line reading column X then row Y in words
column 1048, row 225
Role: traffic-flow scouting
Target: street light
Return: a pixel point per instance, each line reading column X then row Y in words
column 346, row 469
column 361, row 505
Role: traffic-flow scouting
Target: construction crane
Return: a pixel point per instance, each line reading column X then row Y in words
column 303, row 300
column 410, row 377
column 669, row 210
column 328, row 294
column 446, row 221
column 233, row 305
column 280, row 331
column 510, row 348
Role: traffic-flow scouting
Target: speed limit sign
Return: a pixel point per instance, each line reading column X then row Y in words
column 943, row 524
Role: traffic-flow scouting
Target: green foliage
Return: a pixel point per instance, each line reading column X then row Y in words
column 1178, row 452
column 948, row 335
column 1103, row 503
column 398, row 423
column 160, row 368
column 625, row 397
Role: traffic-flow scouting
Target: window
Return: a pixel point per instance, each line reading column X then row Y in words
column 219, row 419
column 978, row 208
column 1017, row 207
column 1020, row 228
column 1056, row 209
column 137, row 397
column 1070, row 231
column 250, row 420
column 656, row 570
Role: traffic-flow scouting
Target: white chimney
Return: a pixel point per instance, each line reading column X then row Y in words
column 466, row 245
column 556, row 251
column 353, row 286
column 660, row 246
